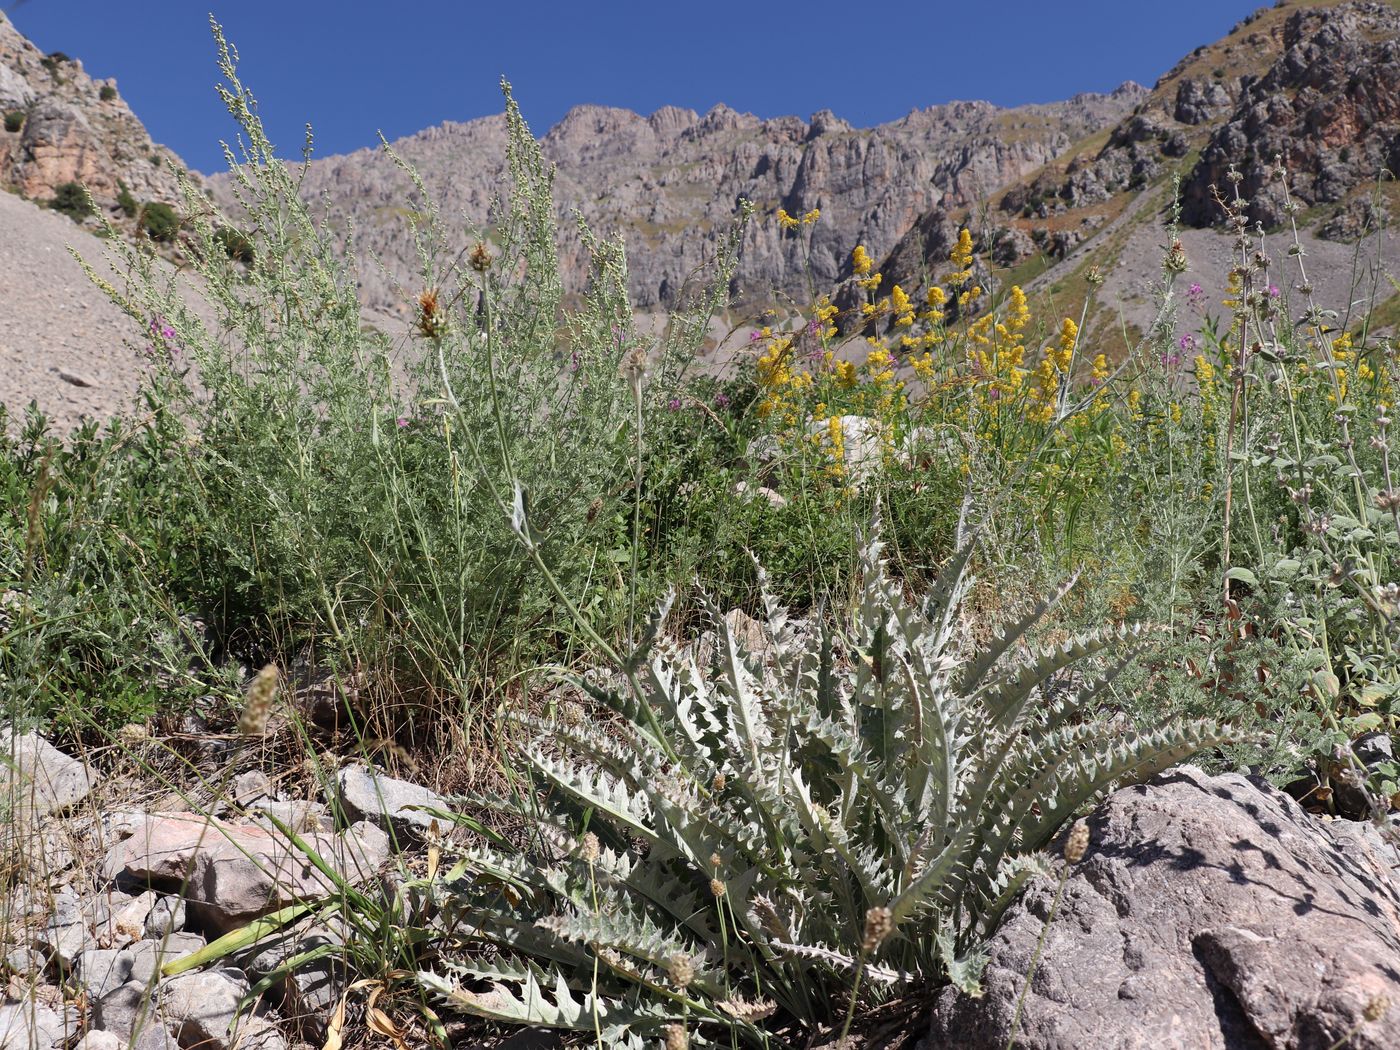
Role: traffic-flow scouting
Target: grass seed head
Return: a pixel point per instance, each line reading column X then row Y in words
column 1077, row 844
column 257, row 708
column 878, row 925
column 681, row 970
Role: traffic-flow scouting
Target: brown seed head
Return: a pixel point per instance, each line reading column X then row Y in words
column 480, row 258
column 715, row 861
column 878, row 925
column 1376, row 1008
column 719, row 782
column 717, row 887
column 1077, row 844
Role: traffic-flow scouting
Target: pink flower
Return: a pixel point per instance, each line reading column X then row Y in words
column 721, row 401
column 1187, row 342
column 402, row 421
column 1273, row 291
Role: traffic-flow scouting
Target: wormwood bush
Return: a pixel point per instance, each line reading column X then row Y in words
column 781, row 835
column 349, row 486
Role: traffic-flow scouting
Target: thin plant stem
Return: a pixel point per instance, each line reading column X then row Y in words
column 1035, row 959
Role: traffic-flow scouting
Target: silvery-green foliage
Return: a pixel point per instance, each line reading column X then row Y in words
column 750, row 811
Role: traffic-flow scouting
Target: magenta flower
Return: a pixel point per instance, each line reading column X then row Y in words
column 1273, row 291
column 674, row 404
column 721, row 401
column 1187, row 343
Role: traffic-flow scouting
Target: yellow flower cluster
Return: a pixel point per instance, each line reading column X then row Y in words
column 861, row 263
column 790, row 222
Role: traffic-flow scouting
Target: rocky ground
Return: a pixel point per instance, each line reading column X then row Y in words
column 1210, row 912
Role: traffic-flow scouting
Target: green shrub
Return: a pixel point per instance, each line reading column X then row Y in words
column 72, row 199
column 107, row 92
column 236, row 244
column 789, row 830
column 160, row 221
column 125, row 201
column 100, row 577
column 53, row 60
column 14, row 120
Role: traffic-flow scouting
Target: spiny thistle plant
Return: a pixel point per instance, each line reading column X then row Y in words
column 786, row 834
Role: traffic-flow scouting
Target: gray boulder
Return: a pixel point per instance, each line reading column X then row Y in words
column 36, row 778
column 1211, row 913
column 394, row 805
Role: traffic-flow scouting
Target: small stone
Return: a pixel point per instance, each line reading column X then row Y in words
column 32, row 1026
column 748, row 493
column 75, row 378
column 203, row 1009
column 125, row 1009
column 300, row 815
column 101, row 970
column 310, row 992
column 145, row 958
column 251, row 787
column 25, row 962
column 96, row 1040
column 167, row 915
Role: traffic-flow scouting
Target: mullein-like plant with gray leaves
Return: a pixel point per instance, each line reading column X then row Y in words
column 755, row 841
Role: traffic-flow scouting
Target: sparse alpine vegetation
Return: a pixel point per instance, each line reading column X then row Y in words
column 1009, row 565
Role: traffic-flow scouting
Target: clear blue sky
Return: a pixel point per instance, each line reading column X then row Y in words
column 353, row 68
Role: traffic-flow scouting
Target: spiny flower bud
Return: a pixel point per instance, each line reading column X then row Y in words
column 1077, row 843
column 1175, row 262
column 715, row 860
column 719, row 782
column 253, row 721
column 717, row 887
column 432, row 321
column 878, row 925
column 677, row 1038
column 480, row 258
column 681, row 970
column 590, row 850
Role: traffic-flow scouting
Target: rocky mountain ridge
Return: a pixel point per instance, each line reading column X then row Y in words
column 62, row 126
column 670, row 184
column 1314, row 84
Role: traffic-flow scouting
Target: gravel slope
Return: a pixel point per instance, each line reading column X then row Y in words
column 62, row 342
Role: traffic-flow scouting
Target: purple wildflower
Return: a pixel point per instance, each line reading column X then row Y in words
column 674, row 404
column 721, row 401
column 1187, row 343
column 1273, row 291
